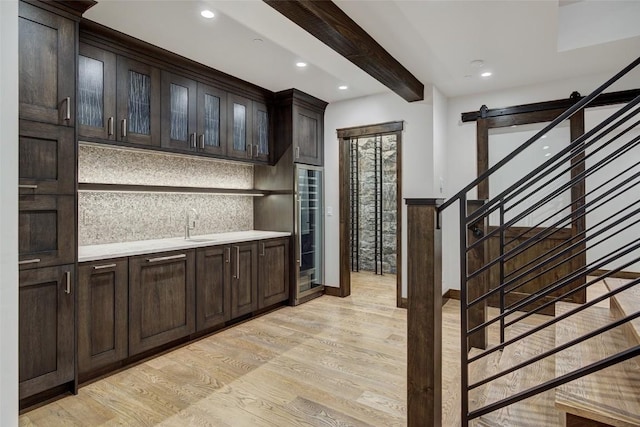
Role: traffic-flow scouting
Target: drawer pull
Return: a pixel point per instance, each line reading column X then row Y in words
column 67, row 115
column 28, row 186
column 102, row 267
column 167, row 258
column 67, row 287
column 29, row 261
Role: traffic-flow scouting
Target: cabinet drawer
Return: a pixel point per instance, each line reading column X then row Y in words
column 102, row 313
column 46, row 159
column 161, row 299
column 47, row 231
column 45, row 328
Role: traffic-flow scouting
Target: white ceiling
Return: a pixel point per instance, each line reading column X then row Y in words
column 435, row 40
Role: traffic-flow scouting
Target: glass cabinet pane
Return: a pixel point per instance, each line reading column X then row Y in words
column 310, row 228
column 263, row 132
column 212, row 120
column 139, row 103
column 90, row 92
column 239, row 127
column 179, row 112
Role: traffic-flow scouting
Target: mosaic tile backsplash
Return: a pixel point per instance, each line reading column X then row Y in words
column 109, row 217
column 107, row 165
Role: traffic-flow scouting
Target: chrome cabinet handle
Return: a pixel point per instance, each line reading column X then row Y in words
column 192, row 140
column 67, row 115
column 237, row 263
column 297, row 152
column 201, row 138
column 67, row 287
column 29, row 261
column 262, row 252
column 256, row 150
column 167, row 258
column 123, row 128
column 28, row 186
column 110, row 126
column 228, row 250
column 102, row 267
column 250, row 150
column 299, row 231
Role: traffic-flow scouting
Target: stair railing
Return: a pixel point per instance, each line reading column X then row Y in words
column 512, row 267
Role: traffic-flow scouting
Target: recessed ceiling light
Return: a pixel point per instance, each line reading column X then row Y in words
column 301, row 64
column 207, row 14
column 547, row 155
column 343, row 87
column 477, row 63
column 486, row 74
column 546, row 147
column 544, row 136
column 258, row 40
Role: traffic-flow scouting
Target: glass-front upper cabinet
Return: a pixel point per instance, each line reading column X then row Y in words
column 260, row 148
column 179, row 99
column 138, row 102
column 96, row 93
column 212, row 120
column 309, row 230
column 240, row 130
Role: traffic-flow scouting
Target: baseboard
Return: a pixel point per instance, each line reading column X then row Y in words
column 331, row 291
column 452, row 294
column 618, row 275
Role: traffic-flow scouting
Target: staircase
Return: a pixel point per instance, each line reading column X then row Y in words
column 534, row 255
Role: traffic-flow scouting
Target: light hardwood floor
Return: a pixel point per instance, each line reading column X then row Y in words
column 329, row 362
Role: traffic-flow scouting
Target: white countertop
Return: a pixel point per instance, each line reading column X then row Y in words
column 117, row 250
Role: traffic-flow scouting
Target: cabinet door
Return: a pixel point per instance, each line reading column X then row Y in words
column 273, row 276
column 240, row 128
column 213, row 286
column 46, row 159
column 46, row 226
column 138, row 102
column 179, row 100
column 261, row 132
column 212, row 120
column 161, row 299
column 102, row 313
column 307, row 136
column 96, row 93
column 244, row 287
column 46, row 333
column 47, row 66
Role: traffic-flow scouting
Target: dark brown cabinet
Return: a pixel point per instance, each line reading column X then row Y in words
column 213, row 286
column 273, row 272
column 46, row 229
column 47, row 66
column 308, row 147
column 244, row 284
column 96, row 93
column 193, row 115
column 45, row 152
column 261, row 146
column 102, row 313
column 240, row 127
column 138, row 102
column 46, row 332
column 161, row 299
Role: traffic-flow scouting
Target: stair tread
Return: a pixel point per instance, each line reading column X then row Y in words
column 610, row 396
column 625, row 303
column 538, row 410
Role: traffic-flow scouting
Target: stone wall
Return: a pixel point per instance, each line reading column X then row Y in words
column 367, row 180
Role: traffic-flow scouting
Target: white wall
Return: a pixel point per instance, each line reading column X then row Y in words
column 9, row 213
column 461, row 145
column 440, row 107
column 417, row 160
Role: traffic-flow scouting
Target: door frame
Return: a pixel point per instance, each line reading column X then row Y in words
column 576, row 123
column 344, row 136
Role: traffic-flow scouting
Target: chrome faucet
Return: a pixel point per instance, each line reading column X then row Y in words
column 190, row 222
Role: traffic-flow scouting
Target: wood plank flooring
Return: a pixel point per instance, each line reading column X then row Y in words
column 329, row 362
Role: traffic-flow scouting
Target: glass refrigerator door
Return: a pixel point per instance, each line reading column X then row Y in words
column 310, row 229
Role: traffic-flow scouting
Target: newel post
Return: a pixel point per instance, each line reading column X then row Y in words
column 424, row 316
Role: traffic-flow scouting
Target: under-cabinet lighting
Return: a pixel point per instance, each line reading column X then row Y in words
column 207, row 14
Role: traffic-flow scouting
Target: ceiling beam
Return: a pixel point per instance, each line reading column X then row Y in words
column 329, row 24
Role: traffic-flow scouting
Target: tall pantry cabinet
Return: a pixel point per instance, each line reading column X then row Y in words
column 47, row 197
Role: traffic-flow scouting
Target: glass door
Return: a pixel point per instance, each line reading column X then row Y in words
column 310, row 230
